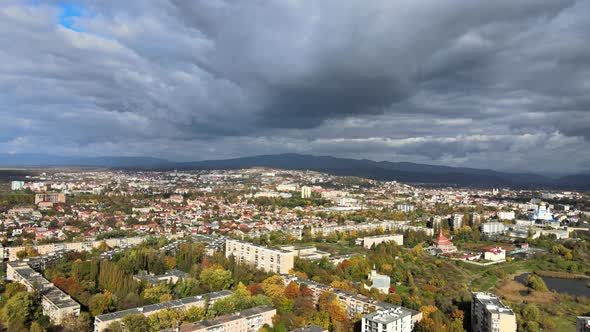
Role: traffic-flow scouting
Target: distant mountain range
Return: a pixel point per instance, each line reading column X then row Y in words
column 382, row 170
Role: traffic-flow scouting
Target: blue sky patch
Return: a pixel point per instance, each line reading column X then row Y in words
column 69, row 15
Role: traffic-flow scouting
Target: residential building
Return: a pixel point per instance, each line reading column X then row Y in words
column 102, row 322
column 305, row 192
column 583, row 324
column 406, row 207
column 434, row 221
column 17, row 185
column 56, row 304
column 264, row 258
column 170, row 276
column 496, row 254
column 249, row 320
column 370, row 241
column 50, row 198
column 489, row 314
column 474, row 219
column 311, row 253
column 506, row 215
column 310, row 328
column 395, row 319
column 456, row 221
column 492, row 228
column 287, row 187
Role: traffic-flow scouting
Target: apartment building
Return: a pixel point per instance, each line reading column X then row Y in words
column 50, row 198
column 56, row 304
column 370, row 241
column 396, row 319
column 583, row 324
column 489, row 314
column 249, row 320
column 474, row 219
column 386, row 225
column 264, row 258
column 492, row 228
column 353, row 304
column 170, row 276
column 406, row 207
column 102, row 322
column 456, row 221
column 46, row 249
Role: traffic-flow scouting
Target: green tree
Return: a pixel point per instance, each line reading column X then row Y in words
column 536, row 283
column 215, row 279
column 531, row 312
column 19, row 308
column 136, row 323
column 100, row 303
column 154, row 294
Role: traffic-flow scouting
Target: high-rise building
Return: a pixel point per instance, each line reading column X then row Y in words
column 492, row 228
column 456, row 221
column 17, row 185
column 264, row 258
column 406, row 207
column 398, row 319
column 489, row 314
column 474, row 219
column 305, row 192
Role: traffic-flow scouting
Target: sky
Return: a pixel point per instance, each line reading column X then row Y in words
column 501, row 84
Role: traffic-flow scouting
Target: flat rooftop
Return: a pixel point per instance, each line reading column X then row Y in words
column 389, row 315
column 226, row 318
column 165, row 305
column 493, row 303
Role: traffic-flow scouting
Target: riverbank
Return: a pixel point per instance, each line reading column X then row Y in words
column 561, row 275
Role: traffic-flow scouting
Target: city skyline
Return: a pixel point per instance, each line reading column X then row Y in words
column 499, row 85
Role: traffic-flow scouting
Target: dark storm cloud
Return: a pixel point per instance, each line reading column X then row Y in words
column 499, row 84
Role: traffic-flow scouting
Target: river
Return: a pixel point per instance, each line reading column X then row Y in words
column 559, row 285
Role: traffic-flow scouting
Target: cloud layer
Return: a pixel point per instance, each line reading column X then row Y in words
column 502, row 84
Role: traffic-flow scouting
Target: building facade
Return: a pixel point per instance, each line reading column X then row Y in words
column 489, row 314
column 456, row 221
column 264, row 258
column 492, row 228
column 305, row 192
column 56, row 304
column 249, row 320
column 370, row 241
column 583, row 324
column 396, row 319
column 102, row 322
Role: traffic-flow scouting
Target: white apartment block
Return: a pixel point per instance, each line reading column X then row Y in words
column 506, row 215
column 264, row 258
column 249, row 320
column 493, row 228
column 45, row 249
column 396, row 319
column 370, row 241
column 305, row 192
column 102, row 322
column 56, row 304
column 489, row 314
column 405, row 207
